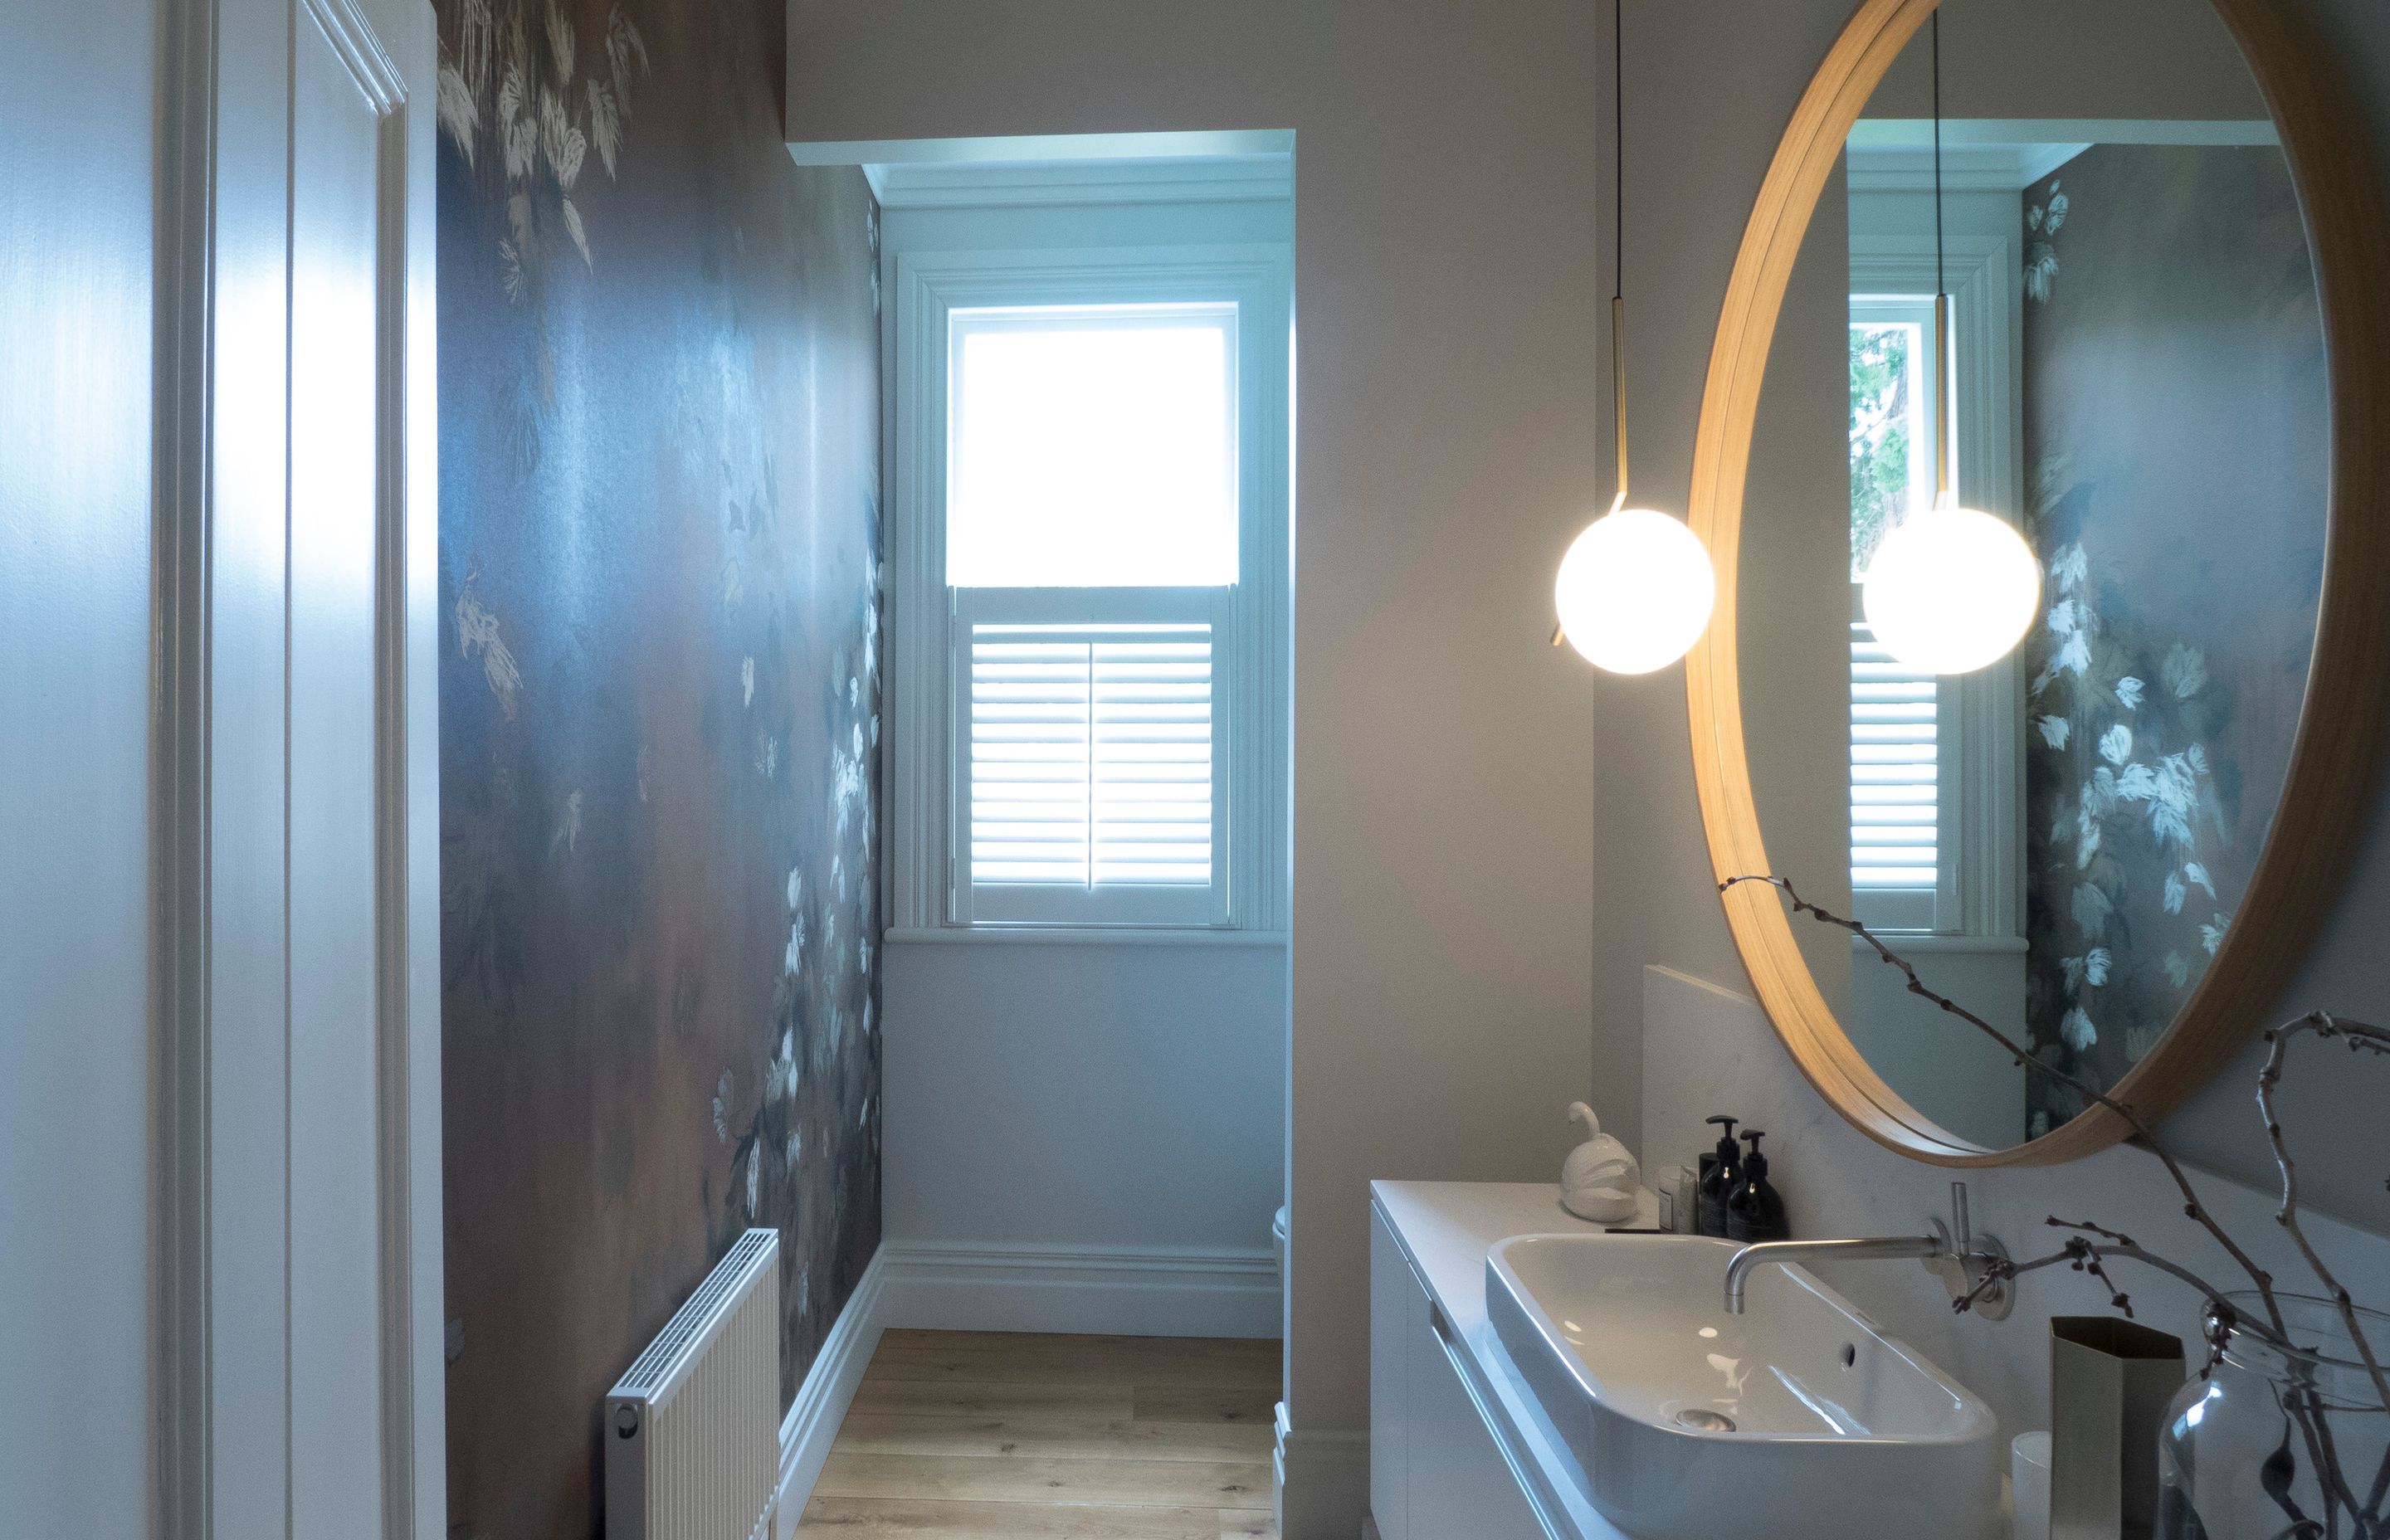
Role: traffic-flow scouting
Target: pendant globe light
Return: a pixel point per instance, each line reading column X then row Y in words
column 1635, row 588
column 1951, row 589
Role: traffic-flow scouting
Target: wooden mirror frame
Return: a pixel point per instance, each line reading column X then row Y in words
column 2342, row 203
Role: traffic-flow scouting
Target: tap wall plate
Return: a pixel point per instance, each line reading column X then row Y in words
column 1964, row 1266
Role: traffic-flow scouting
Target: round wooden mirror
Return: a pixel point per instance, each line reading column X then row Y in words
column 2246, row 914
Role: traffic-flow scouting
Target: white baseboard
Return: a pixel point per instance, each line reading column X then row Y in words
column 1322, row 1479
column 811, row 1426
column 1141, row 1291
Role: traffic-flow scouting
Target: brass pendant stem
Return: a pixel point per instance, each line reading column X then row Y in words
column 1941, row 397
column 1618, row 387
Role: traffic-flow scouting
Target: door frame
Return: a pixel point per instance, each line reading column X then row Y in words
column 222, row 459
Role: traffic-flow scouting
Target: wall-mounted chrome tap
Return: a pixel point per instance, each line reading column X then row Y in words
column 1952, row 1251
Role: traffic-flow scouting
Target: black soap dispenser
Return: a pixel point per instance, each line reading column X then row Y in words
column 1754, row 1209
column 1720, row 1171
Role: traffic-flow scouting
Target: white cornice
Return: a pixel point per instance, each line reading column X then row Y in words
column 981, row 184
column 2000, row 155
column 1965, row 168
column 1918, row 132
column 1227, row 165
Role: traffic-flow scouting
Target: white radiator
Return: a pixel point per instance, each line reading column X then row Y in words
column 693, row 1431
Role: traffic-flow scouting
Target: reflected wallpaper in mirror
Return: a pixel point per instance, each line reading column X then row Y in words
column 2176, row 436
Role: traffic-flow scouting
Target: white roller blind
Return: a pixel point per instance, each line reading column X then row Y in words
column 1092, row 446
column 1091, row 754
column 1895, row 771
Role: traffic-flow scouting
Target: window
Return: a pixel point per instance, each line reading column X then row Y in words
column 1090, row 499
column 1936, row 764
column 1091, row 540
column 1899, row 879
column 1936, row 835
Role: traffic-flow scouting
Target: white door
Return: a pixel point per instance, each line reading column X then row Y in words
column 304, row 1367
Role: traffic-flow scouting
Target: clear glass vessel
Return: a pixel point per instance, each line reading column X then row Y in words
column 2279, row 1443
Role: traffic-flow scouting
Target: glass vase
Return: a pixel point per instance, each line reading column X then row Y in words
column 2276, row 1443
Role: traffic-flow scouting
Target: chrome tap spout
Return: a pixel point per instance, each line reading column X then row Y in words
column 1963, row 1260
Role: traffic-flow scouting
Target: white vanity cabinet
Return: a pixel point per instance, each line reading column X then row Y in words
column 1435, row 1471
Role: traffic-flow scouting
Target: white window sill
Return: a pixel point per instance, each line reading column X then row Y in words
column 1076, row 935
column 1907, row 942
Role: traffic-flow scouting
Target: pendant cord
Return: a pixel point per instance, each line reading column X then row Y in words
column 1618, row 239
column 1941, row 286
column 1941, row 296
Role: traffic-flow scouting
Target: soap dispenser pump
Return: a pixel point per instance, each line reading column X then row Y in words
column 1754, row 1210
column 1721, row 1169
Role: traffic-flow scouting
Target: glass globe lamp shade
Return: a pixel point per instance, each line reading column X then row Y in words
column 1951, row 590
column 1635, row 591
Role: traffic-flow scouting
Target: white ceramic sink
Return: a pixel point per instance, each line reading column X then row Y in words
column 1798, row 1419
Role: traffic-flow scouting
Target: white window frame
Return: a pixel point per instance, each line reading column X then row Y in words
column 1914, row 909
column 930, row 623
column 1981, row 825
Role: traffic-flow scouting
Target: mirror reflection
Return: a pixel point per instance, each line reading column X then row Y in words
column 2136, row 377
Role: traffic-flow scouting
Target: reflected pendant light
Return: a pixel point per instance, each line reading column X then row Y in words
column 1951, row 589
column 1635, row 588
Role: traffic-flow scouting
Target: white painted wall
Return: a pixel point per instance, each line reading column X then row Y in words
column 1947, row 1070
column 76, row 88
column 1090, row 1095
column 1447, row 276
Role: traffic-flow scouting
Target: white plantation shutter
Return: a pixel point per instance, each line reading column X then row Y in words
column 1091, row 771
column 1896, row 868
column 1152, row 758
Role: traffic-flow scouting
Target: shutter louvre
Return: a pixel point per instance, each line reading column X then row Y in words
column 1896, row 770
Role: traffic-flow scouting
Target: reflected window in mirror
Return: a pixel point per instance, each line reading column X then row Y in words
column 1897, row 869
column 1936, row 843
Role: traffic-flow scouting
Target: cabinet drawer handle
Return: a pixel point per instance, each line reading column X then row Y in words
column 1439, row 1323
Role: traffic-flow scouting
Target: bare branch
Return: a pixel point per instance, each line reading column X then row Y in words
column 2085, row 1255
column 2191, row 1207
column 2360, row 1038
column 2119, row 1236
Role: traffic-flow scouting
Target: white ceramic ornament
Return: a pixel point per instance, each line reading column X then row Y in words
column 1601, row 1181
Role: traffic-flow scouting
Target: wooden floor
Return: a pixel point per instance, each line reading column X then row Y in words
column 1009, row 1436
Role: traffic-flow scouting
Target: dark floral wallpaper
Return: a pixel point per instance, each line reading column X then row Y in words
column 659, row 566
column 2177, row 430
